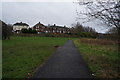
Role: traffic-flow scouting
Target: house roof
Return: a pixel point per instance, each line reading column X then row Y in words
column 21, row 24
column 39, row 24
column 60, row 27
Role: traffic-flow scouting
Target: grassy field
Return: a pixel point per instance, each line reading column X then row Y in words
column 22, row 55
column 101, row 56
column 0, row 59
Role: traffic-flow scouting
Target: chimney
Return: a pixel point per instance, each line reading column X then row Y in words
column 54, row 24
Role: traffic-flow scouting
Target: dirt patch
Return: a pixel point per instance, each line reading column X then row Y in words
column 56, row 46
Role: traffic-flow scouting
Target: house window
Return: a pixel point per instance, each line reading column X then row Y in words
column 38, row 32
column 46, row 31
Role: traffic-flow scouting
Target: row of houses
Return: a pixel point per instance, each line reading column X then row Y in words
column 41, row 28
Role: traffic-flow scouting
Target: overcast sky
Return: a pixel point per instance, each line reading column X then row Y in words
column 59, row 13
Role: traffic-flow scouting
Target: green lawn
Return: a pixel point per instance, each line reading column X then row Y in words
column 0, row 59
column 22, row 55
column 101, row 56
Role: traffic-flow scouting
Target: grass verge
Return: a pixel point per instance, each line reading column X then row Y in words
column 101, row 56
column 0, row 59
column 22, row 55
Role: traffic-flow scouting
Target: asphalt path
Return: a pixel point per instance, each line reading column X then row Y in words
column 66, row 62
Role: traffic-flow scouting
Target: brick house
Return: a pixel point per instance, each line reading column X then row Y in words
column 59, row 29
column 40, row 28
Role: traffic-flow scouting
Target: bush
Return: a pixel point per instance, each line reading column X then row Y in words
column 24, row 31
column 29, row 31
column 87, row 34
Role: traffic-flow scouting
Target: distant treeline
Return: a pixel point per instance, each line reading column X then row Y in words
column 82, row 31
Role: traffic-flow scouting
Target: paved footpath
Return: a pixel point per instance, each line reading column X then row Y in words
column 66, row 62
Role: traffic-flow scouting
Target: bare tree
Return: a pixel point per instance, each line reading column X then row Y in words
column 80, row 28
column 112, row 31
column 6, row 31
column 107, row 12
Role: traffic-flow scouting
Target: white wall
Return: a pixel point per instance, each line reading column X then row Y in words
column 19, row 27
